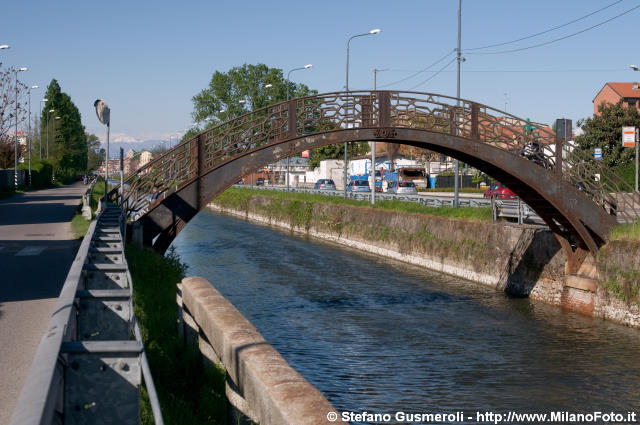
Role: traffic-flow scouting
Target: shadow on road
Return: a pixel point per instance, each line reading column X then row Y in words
column 34, row 269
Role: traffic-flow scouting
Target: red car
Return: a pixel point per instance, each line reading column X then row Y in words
column 499, row 191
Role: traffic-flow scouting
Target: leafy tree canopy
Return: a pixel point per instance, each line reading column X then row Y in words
column 243, row 89
column 336, row 152
column 95, row 154
column 605, row 131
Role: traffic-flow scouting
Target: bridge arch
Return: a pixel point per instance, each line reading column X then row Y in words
column 542, row 170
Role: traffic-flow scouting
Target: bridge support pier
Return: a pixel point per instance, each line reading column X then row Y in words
column 580, row 287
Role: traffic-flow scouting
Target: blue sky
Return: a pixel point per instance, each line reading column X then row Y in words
column 148, row 58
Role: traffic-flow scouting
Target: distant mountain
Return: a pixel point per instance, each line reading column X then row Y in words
column 114, row 147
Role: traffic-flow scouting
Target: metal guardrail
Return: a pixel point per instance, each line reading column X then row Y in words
column 88, row 369
column 503, row 207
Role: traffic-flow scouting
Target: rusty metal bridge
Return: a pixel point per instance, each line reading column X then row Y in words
column 576, row 196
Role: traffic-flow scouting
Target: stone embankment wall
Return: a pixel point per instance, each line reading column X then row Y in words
column 520, row 260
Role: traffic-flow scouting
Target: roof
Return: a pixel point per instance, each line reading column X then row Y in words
column 622, row 89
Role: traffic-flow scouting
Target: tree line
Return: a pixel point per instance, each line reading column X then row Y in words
column 60, row 147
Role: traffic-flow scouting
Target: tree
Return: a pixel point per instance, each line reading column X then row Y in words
column 243, row 89
column 336, row 152
column 67, row 139
column 9, row 87
column 95, row 154
column 605, row 131
column 8, row 90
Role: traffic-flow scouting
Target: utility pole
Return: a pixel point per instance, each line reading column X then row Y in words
column 373, row 155
column 456, row 164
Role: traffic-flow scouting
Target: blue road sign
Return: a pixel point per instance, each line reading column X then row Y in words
column 597, row 154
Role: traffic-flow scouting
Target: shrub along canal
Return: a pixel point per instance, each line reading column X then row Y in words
column 383, row 336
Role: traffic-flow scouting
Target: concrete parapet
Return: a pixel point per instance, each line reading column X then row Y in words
column 262, row 384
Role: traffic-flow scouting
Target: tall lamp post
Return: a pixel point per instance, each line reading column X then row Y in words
column 40, row 133
column 104, row 116
column 15, row 170
column 29, row 133
column 48, row 113
column 55, row 126
column 460, row 59
column 372, row 32
column 288, row 74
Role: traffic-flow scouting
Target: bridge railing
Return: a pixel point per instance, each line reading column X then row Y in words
column 383, row 111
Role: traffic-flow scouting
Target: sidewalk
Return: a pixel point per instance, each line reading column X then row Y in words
column 36, row 251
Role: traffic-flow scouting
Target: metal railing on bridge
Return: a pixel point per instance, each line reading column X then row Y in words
column 89, row 365
column 384, row 111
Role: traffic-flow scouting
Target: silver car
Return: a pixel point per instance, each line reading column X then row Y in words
column 403, row 188
column 326, row 184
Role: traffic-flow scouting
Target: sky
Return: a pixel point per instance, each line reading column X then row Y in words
column 147, row 59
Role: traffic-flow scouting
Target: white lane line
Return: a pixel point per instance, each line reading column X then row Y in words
column 30, row 251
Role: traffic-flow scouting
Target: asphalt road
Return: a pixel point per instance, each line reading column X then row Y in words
column 36, row 251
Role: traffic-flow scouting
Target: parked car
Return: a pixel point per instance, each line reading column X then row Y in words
column 499, row 191
column 359, row 186
column 326, row 184
column 402, row 188
column 260, row 181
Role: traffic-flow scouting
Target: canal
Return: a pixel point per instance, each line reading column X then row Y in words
column 383, row 336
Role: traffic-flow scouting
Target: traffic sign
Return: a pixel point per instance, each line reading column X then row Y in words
column 628, row 137
column 597, row 154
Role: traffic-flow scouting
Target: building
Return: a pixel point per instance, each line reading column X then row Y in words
column 145, row 158
column 613, row 92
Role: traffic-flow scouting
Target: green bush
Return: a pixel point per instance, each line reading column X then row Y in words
column 41, row 172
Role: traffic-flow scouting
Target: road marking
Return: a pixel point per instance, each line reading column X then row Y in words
column 30, row 251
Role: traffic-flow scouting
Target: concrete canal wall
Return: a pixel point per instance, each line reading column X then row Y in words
column 520, row 260
column 260, row 383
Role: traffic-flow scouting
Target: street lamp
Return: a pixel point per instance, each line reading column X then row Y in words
column 15, row 171
column 372, row 32
column 29, row 133
column 49, row 112
column 55, row 126
column 288, row 74
column 40, row 132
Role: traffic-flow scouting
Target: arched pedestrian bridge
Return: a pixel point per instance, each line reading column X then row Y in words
column 578, row 198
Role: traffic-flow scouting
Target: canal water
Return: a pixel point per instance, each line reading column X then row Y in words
column 382, row 336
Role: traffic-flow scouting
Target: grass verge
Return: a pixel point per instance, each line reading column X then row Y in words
column 239, row 197
column 626, row 232
column 80, row 225
column 189, row 391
